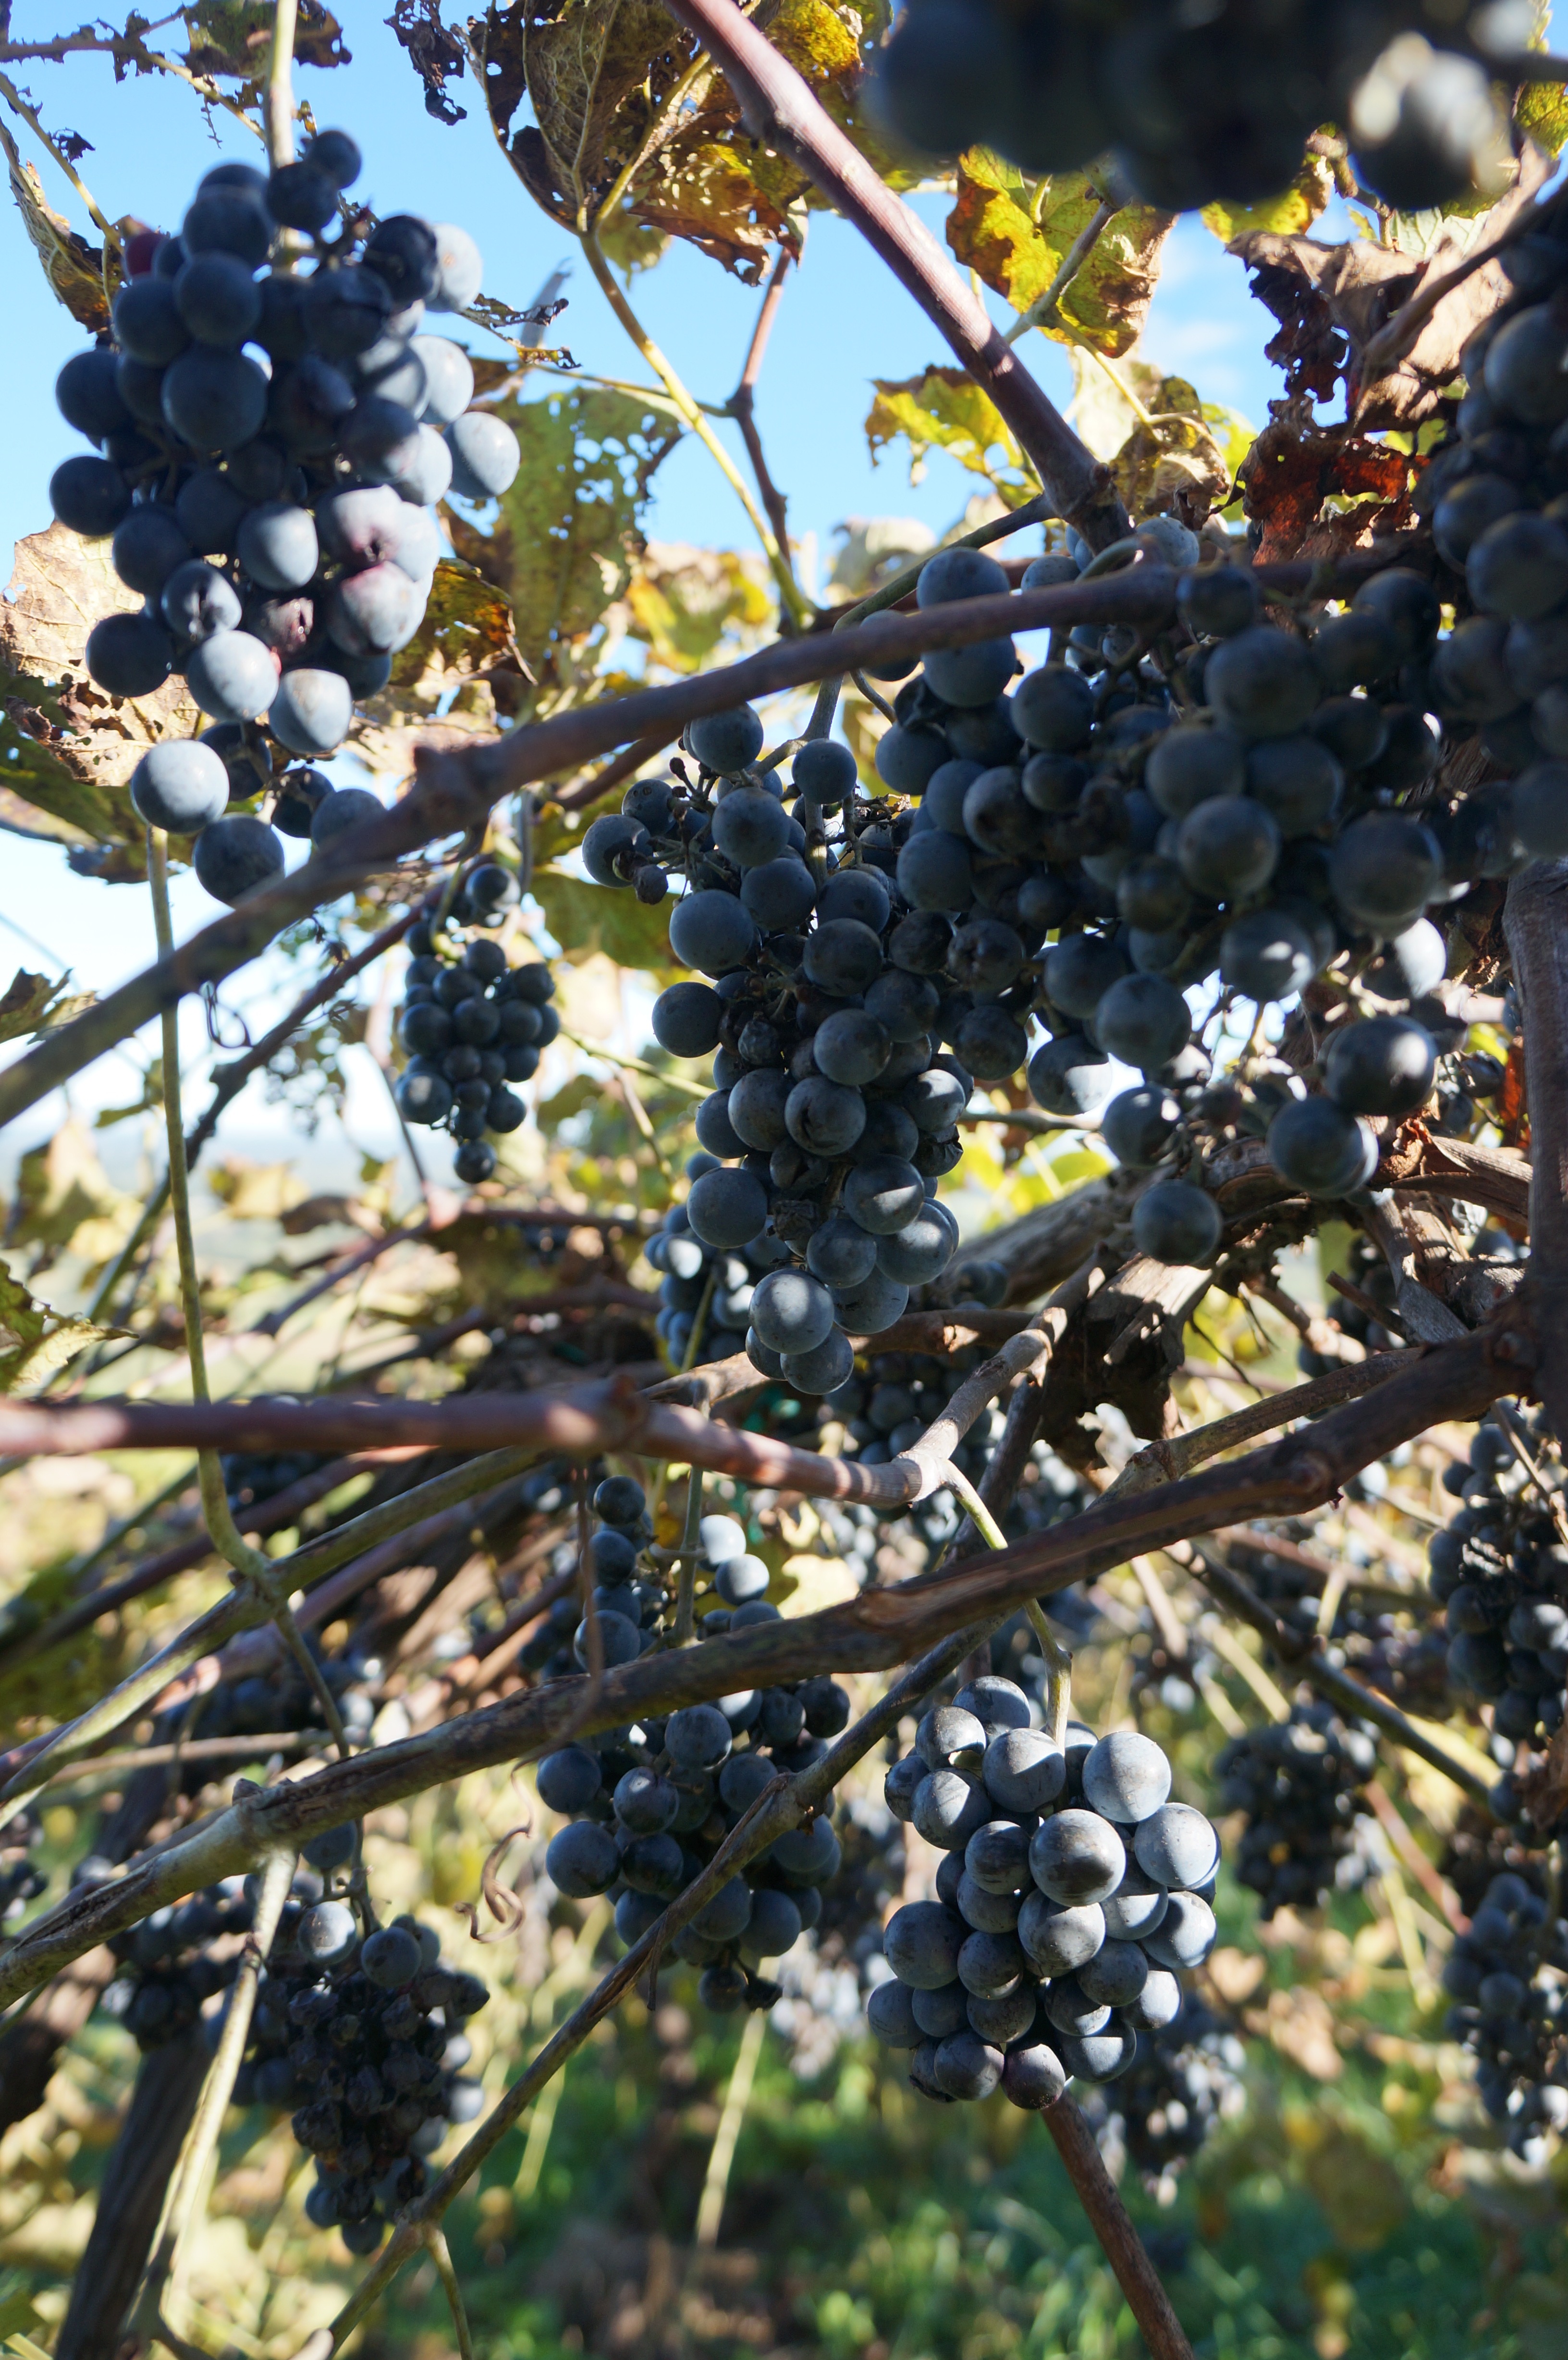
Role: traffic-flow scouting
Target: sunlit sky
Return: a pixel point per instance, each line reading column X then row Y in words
column 844, row 321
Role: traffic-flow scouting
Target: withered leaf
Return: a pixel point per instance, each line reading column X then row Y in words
column 229, row 38
column 944, row 410
column 996, row 228
column 73, row 267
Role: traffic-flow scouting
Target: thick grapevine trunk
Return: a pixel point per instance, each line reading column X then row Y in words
column 168, row 2082
column 1536, row 924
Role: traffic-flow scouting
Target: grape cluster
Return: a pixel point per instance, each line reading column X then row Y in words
column 1508, row 1978
column 21, row 1880
column 1499, row 1571
column 647, row 1805
column 1299, row 1783
column 272, row 443
column 253, row 1476
column 363, row 2037
column 1071, row 1895
column 281, row 1699
column 180, row 1957
column 1183, row 2082
column 470, row 1026
column 693, row 1273
column 1216, row 101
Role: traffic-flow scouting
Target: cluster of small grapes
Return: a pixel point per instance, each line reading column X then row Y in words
column 1196, row 103
column 170, row 1964
column 1410, row 1667
column 649, row 1804
column 1072, row 1895
column 280, row 1697
column 693, row 1272
column 253, row 1476
column 1508, row 1978
column 1499, row 1571
column 470, row 1026
column 1184, row 2081
column 363, row 2037
column 1299, row 1783
column 272, row 448
column 829, row 1089
column 21, row 1880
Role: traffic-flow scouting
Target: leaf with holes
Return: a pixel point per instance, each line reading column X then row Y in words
column 1292, row 211
column 683, row 601
column 64, row 744
column 466, row 633
column 36, row 1341
column 567, row 537
column 32, row 1004
column 944, row 410
column 229, row 38
column 1016, row 240
column 586, row 918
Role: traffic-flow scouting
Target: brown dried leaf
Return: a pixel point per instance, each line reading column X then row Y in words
column 64, row 744
column 1351, row 292
column 229, row 39
column 74, row 268
column 466, row 634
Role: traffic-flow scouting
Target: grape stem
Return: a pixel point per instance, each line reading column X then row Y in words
column 189, row 2194
column 251, row 1564
column 743, row 401
column 779, row 108
column 1538, row 949
column 1058, row 1673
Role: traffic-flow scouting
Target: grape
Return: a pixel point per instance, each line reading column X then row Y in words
column 856, row 893
column 1384, row 868
column 823, row 1369
column 582, row 1860
column 129, row 655
column 883, row 1195
column 937, row 82
column 1228, row 846
column 1024, row 1770
column 231, row 676
column 823, row 1117
column 1519, row 568
column 1316, row 1146
column 973, row 675
column 934, row 870
column 1136, row 1908
column 88, row 497
column 1068, row 2008
column 750, row 828
column 148, row 547
column 686, row 1019
column 373, row 613
column 349, row 807
column 327, row 1934
column 1152, row 895
column 1297, row 781
column 1469, row 509
column 1353, row 729
column 1412, row 965
column 967, row 2066
column 779, row 893
column 1218, row 602
column 87, row 396
column 934, row 1100
column 922, row 1942
column 1076, row 1858
column 1143, row 1021
column 286, row 626
column 1098, row 2057
column 1261, row 682
column 423, row 1097
column 740, row 1580
column 147, row 322
column 1070, row 1077
column 919, row 1253
column 1177, row 1223
column 906, row 758
column 711, row 931
column 179, row 785
column 840, row 1254
column 1190, row 765
column 850, row 1048
column 197, row 600
column 1115, row 1975
column 216, row 298
column 823, row 773
column 1469, row 672
column 807, row 1855
column 1054, row 709
column 1384, row 1065
column 1127, row 1778
column 1184, row 1936
column 954, row 574
column 1050, row 573
column 1003, row 2019
column 214, row 400
column 1523, row 368
column 1538, row 808
column 791, row 1312
column 1266, row 955
column 1445, row 132
column 300, row 197
column 276, row 545
column 873, row 1305
column 996, row 1857
column 1033, row 2076
column 236, row 857
column 949, row 1734
column 311, row 712
column 755, row 1110
column 990, row 1044
column 727, row 1209
column 1137, row 1126
column 1079, row 972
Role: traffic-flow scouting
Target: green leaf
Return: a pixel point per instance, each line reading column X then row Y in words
column 1017, row 238
column 587, row 69
column 567, row 537
column 944, row 410
column 1541, row 112
column 586, row 918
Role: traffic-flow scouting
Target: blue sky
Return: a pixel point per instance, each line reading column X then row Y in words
column 844, row 321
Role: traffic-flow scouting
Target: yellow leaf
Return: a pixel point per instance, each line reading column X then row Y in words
column 1291, row 212
column 255, row 1192
column 32, row 1004
column 59, row 1186
column 35, row 1341
column 996, row 228
column 683, row 601
column 944, row 410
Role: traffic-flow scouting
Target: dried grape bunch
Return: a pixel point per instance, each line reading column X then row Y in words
column 1299, row 1783
column 274, row 427
column 1196, row 104
column 470, row 1026
column 1072, row 1897
column 361, row 2036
